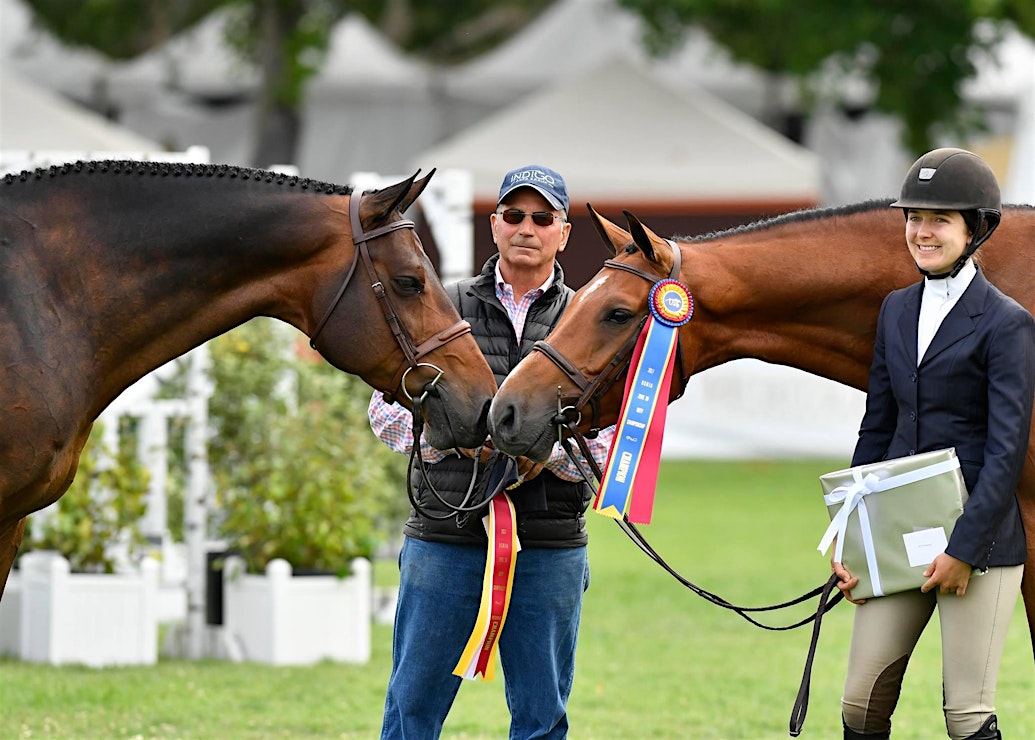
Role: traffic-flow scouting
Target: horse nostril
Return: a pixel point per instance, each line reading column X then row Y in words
column 503, row 419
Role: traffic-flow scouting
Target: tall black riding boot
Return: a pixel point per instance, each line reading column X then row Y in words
column 851, row 734
column 988, row 731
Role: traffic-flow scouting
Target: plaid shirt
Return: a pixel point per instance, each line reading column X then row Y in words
column 393, row 424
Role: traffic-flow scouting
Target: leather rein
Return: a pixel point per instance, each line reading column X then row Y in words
column 412, row 352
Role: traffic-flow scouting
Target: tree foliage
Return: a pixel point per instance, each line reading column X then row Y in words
column 916, row 54
column 298, row 473
column 285, row 40
column 101, row 508
column 119, row 29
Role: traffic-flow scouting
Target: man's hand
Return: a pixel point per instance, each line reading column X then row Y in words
column 481, row 454
column 527, row 470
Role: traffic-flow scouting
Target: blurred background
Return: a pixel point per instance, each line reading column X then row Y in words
column 695, row 115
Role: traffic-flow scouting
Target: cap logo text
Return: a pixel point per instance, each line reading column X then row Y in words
column 532, row 176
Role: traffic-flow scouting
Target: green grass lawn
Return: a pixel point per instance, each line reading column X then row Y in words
column 654, row 661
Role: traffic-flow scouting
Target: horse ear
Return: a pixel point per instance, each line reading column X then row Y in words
column 614, row 236
column 645, row 239
column 378, row 206
column 415, row 189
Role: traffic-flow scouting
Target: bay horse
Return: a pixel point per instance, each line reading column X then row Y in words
column 110, row 269
column 802, row 289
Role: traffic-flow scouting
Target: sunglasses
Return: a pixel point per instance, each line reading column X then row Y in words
column 514, row 216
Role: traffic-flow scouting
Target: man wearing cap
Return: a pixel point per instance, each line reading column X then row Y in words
column 514, row 302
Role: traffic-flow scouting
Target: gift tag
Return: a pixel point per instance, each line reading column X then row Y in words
column 924, row 545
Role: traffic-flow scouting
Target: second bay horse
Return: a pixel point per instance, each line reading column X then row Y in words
column 802, row 290
column 110, row 269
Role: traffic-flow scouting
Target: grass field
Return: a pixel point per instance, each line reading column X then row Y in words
column 654, row 661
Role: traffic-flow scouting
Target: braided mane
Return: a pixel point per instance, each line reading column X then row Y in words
column 176, row 169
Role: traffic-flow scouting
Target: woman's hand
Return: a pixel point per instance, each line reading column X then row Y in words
column 847, row 581
column 947, row 573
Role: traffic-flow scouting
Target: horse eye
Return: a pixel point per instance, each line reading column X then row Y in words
column 620, row 316
column 408, row 285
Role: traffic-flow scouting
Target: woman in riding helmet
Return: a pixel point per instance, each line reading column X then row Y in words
column 953, row 366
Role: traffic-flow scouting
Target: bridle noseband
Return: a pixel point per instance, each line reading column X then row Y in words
column 591, row 391
column 412, row 352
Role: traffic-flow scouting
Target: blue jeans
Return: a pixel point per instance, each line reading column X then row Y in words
column 439, row 593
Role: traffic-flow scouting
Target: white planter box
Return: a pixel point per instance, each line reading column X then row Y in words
column 282, row 619
column 11, row 617
column 51, row 615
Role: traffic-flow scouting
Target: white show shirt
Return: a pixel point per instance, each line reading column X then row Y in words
column 938, row 299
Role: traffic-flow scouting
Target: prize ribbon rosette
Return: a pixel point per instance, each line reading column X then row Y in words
column 631, row 471
column 478, row 659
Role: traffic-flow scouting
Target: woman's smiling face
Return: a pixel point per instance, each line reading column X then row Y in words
column 936, row 239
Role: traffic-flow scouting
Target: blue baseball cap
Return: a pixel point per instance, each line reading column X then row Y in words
column 547, row 182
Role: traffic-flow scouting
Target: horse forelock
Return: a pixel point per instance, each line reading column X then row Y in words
column 226, row 172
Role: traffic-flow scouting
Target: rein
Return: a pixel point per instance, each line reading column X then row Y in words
column 827, row 597
column 590, row 393
column 413, row 353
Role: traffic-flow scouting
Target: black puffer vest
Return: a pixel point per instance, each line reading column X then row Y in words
column 553, row 519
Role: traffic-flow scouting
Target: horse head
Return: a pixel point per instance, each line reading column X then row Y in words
column 579, row 369
column 392, row 323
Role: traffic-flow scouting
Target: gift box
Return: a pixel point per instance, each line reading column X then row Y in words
column 892, row 518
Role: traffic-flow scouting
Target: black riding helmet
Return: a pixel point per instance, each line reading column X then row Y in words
column 954, row 180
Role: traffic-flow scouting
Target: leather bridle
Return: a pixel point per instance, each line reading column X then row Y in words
column 591, row 391
column 413, row 352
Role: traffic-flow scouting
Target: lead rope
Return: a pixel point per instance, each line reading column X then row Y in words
column 825, row 604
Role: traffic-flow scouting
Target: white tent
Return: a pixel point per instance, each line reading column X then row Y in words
column 34, row 118
column 360, row 57
column 196, row 62
column 39, row 57
column 621, row 135
column 368, row 109
column 572, row 37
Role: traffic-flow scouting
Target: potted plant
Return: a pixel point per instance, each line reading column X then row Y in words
column 81, row 593
column 304, row 492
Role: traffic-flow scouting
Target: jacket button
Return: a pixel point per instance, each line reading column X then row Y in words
column 912, row 416
column 912, row 452
column 913, row 377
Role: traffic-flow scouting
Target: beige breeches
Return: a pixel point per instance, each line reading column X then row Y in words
column 973, row 627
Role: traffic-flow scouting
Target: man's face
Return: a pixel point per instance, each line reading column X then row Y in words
column 527, row 245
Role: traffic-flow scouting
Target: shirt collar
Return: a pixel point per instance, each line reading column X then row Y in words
column 500, row 282
column 951, row 287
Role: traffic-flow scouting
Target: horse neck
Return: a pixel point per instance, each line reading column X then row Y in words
column 804, row 294
column 178, row 266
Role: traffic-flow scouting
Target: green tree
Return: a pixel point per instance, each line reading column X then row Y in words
column 103, row 506
column 298, row 473
column 285, row 40
column 917, row 54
